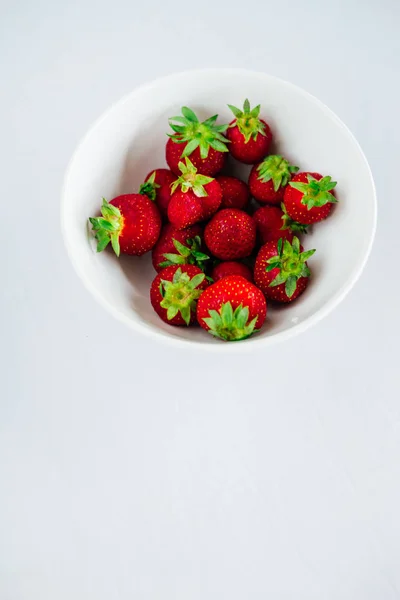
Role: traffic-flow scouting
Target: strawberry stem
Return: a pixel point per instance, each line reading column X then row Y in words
column 291, row 264
column 149, row 187
column 317, row 192
column 187, row 255
column 231, row 325
column 181, row 294
column 203, row 135
column 278, row 169
column 247, row 121
column 190, row 179
column 108, row 227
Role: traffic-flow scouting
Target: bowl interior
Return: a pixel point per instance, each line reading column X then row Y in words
column 129, row 141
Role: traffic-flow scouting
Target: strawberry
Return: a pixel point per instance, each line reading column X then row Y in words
column 157, row 187
column 269, row 178
column 309, row 198
column 185, row 209
column 203, row 142
column 131, row 222
column 230, row 234
column 235, row 193
column 232, row 309
column 175, row 291
column 179, row 247
column 273, row 223
column 281, row 270
column 231, row 267
column 249, row 136
column 212, row 200
column 198, row 198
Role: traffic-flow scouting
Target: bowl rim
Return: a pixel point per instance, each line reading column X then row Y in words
column 211, row 345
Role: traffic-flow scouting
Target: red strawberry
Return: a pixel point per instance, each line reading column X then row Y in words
column 230, row 234
column 179, row 247
column 198, row 198
column 231, row 267
column 272, row 223
column 131, row 222
column 235, row 193
column 212, row 201
column 232, row 308
column 309, row 198
column 281, row 271
column 249, row 136
column 175, row 291
column 203, row 142
column 269, row 178
column 157, row 187
column 185, row 209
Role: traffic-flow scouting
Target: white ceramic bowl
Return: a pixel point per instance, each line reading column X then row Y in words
column 129, row 140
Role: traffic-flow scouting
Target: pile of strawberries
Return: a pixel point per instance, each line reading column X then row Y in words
column 218, row 256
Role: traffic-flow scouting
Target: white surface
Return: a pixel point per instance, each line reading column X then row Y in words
column 130, row 470
column 128, row 141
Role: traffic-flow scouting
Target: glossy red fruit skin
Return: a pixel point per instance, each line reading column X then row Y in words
column 164, row 178
column 235, row 193
column 236, row 290
column 297, row 210
column 264, row 192
column 206, row 166
column 141, row 223
column 262, row 278
column 231, row 267
column 184, row 209
column 165, row 244
column 255, row 149
column 230, row 234
column 167, row 274
column 212, row 201
column 269, row 220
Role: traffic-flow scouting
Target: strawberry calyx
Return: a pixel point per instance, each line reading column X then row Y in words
column 316, row 193
column 181, row 294
column 190, row 179
column 186, row 255
column 108, row 227
column 277, row 169
column 231, row 325
column 202, row 135
column 149, row 187
column 247, row 121
column 291, row 264
column 289, row 223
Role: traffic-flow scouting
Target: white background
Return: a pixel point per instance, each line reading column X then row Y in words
column 135, row 471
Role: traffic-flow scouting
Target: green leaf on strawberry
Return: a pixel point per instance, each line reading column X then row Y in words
column 315, row 192
column 191, row 180
column 247, row 121
column 149, row 187
column 186, row 255
column 198, row 134
column 277, row 169
column 291, row 263
column 180, row 294
column 107, row 228
column 231, row 325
